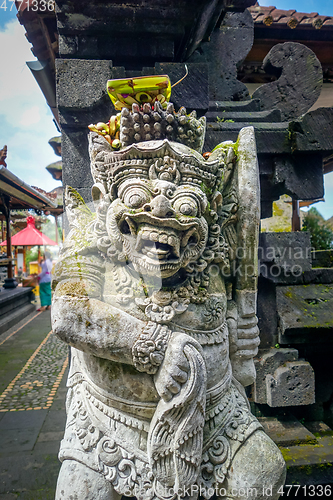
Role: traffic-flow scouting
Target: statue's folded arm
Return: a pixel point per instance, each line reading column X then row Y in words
column 95, row 327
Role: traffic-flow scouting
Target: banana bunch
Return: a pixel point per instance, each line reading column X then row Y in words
column 126, row 100
column 109, row 130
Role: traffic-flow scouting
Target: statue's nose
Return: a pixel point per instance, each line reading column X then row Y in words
column 160, row 207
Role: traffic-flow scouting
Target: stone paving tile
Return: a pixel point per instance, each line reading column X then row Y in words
column 23, row 420
column 55, row 421
column 47, row 437
column 35, row 386
column 18, row 440
column 27, row 472
column 42, row 494
column 20, row 430
column 51, row 448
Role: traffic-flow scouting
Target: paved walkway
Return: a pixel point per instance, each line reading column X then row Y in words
column 33, row 366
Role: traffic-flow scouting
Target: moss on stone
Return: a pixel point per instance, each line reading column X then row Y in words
column 72, row 289
column 286, row 455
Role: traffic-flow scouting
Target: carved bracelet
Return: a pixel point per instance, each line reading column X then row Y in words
column 148, row 351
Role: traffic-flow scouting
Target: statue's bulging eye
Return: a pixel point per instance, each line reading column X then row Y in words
column 186, row 209
column 135, row 198
column 186, row 206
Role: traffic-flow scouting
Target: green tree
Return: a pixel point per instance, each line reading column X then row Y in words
column 31, row 256
column 321, row 235
column 49, row 228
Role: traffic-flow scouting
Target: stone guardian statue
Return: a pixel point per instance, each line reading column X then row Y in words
column 155, row 292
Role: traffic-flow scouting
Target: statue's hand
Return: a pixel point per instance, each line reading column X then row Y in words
column 247, row 337
column 244, row 346
column 243, row 336
column 174, row 370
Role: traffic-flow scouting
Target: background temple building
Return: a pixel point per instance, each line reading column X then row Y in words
column 272, row 26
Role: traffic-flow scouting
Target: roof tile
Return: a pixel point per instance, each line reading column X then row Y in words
column 323, row 18
column 283, row 20
column 262, row 18
column 261, row 10
column 255, row 15
column 299, row 16
column 277, row 14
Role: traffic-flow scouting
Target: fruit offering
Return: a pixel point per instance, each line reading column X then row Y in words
column 124, row 92
column 109, row 130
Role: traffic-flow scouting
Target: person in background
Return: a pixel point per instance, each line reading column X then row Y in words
column 44, row 279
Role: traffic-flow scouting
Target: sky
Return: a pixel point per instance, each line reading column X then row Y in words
column 323, row 7
column 26, row 123
column 25, row 120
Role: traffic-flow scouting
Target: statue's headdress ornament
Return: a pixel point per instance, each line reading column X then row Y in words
column 146, row 114
column 148, row 138
column 165, row 160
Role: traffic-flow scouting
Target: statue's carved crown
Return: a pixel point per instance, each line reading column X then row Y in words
column 164, row 160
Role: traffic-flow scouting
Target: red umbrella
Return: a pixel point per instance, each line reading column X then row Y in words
column 30, row 236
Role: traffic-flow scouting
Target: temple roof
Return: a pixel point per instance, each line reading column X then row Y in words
column 30, row 236
column 20, row 194
column 271, row 16
column 3, row 156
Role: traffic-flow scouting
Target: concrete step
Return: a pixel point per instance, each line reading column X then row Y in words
column 14, row 316
column 287, row 433
column 307, row 450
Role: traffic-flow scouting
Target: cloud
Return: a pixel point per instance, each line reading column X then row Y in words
column 26, row 123
column 19, row 91
column 30, row 117
column 29, row 152
column 14, row 51
column 328, row 179
column 325, row 208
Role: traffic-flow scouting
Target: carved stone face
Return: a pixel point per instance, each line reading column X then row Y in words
column 161, row 224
